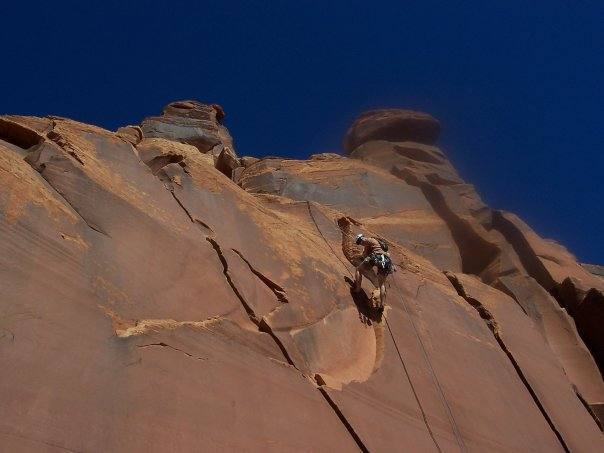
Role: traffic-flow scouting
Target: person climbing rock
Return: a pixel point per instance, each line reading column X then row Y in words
column 375, row 255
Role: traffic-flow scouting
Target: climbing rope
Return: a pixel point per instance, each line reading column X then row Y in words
column 419, row 404
column 312, row 217
column 408, row 376
column 441, row 392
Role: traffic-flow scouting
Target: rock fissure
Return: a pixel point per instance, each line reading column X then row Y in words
column 63, row 143
column 277, row 290
column 264, row 327
column 344, row 420
column 165, row 345
column 40, row 169
column 588, row 408
column 277, row 325
column 274, row 287
column 562, row 277
column 225, row 270
column 493, row 326
column 195, row 220
column 261, row 323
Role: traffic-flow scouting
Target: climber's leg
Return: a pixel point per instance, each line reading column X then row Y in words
column 382, row 283
column 365, row 269
column 358, row 279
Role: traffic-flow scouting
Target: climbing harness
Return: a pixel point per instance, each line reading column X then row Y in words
column 381, row 261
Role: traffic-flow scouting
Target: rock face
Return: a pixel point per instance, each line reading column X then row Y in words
column 158, row 293
column 395, row 125
column 193, row 123
column 594, row 269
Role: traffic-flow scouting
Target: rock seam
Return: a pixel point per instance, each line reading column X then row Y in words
column 491, row 323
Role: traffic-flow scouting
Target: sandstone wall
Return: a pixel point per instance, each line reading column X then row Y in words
column 160, row 293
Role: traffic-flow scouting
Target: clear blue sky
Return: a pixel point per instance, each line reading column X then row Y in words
column 516, row 85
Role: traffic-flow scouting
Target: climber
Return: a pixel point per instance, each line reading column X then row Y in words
column 375, row 254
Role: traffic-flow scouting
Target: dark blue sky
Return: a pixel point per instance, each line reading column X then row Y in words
column 516, row 85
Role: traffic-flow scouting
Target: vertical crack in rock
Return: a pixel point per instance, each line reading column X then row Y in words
column 260, row 323
column 225, row 270
column 344, row 421
column 24, row 137
column 62, row 196
column 275, row 288
column 264, row 327
column 588, row 408
column 493, row 326
column 193, row 219
column 568, row 296
column 498, row 285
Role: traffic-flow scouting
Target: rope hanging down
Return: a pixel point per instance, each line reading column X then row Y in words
column 441, row 392
column 425, row 355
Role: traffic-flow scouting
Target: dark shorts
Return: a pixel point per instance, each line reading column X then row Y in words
column 380, row 261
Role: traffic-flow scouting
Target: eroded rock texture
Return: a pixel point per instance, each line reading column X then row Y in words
column 159, row 293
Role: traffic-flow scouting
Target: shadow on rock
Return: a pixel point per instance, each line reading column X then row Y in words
column 368, row 314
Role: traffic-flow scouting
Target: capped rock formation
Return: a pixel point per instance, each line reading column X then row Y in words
column 395, row 125
column 159, row 293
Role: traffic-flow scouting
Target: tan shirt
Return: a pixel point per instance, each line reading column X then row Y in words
column 371, row 245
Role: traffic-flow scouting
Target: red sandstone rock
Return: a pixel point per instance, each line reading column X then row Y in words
column 383, row 203
column 481, row 251
column 535, row 364
column 131, row 134
column 594, row 269
column 246, row 161
column 394, row 125
column 151, row 303
column 558, row 329
column 227, row 162
column 547, row 261
column 191, row 122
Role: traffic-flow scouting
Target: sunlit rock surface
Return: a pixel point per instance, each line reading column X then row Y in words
column 159, row 293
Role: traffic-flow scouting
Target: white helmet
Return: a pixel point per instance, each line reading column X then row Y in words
column 358, row 239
